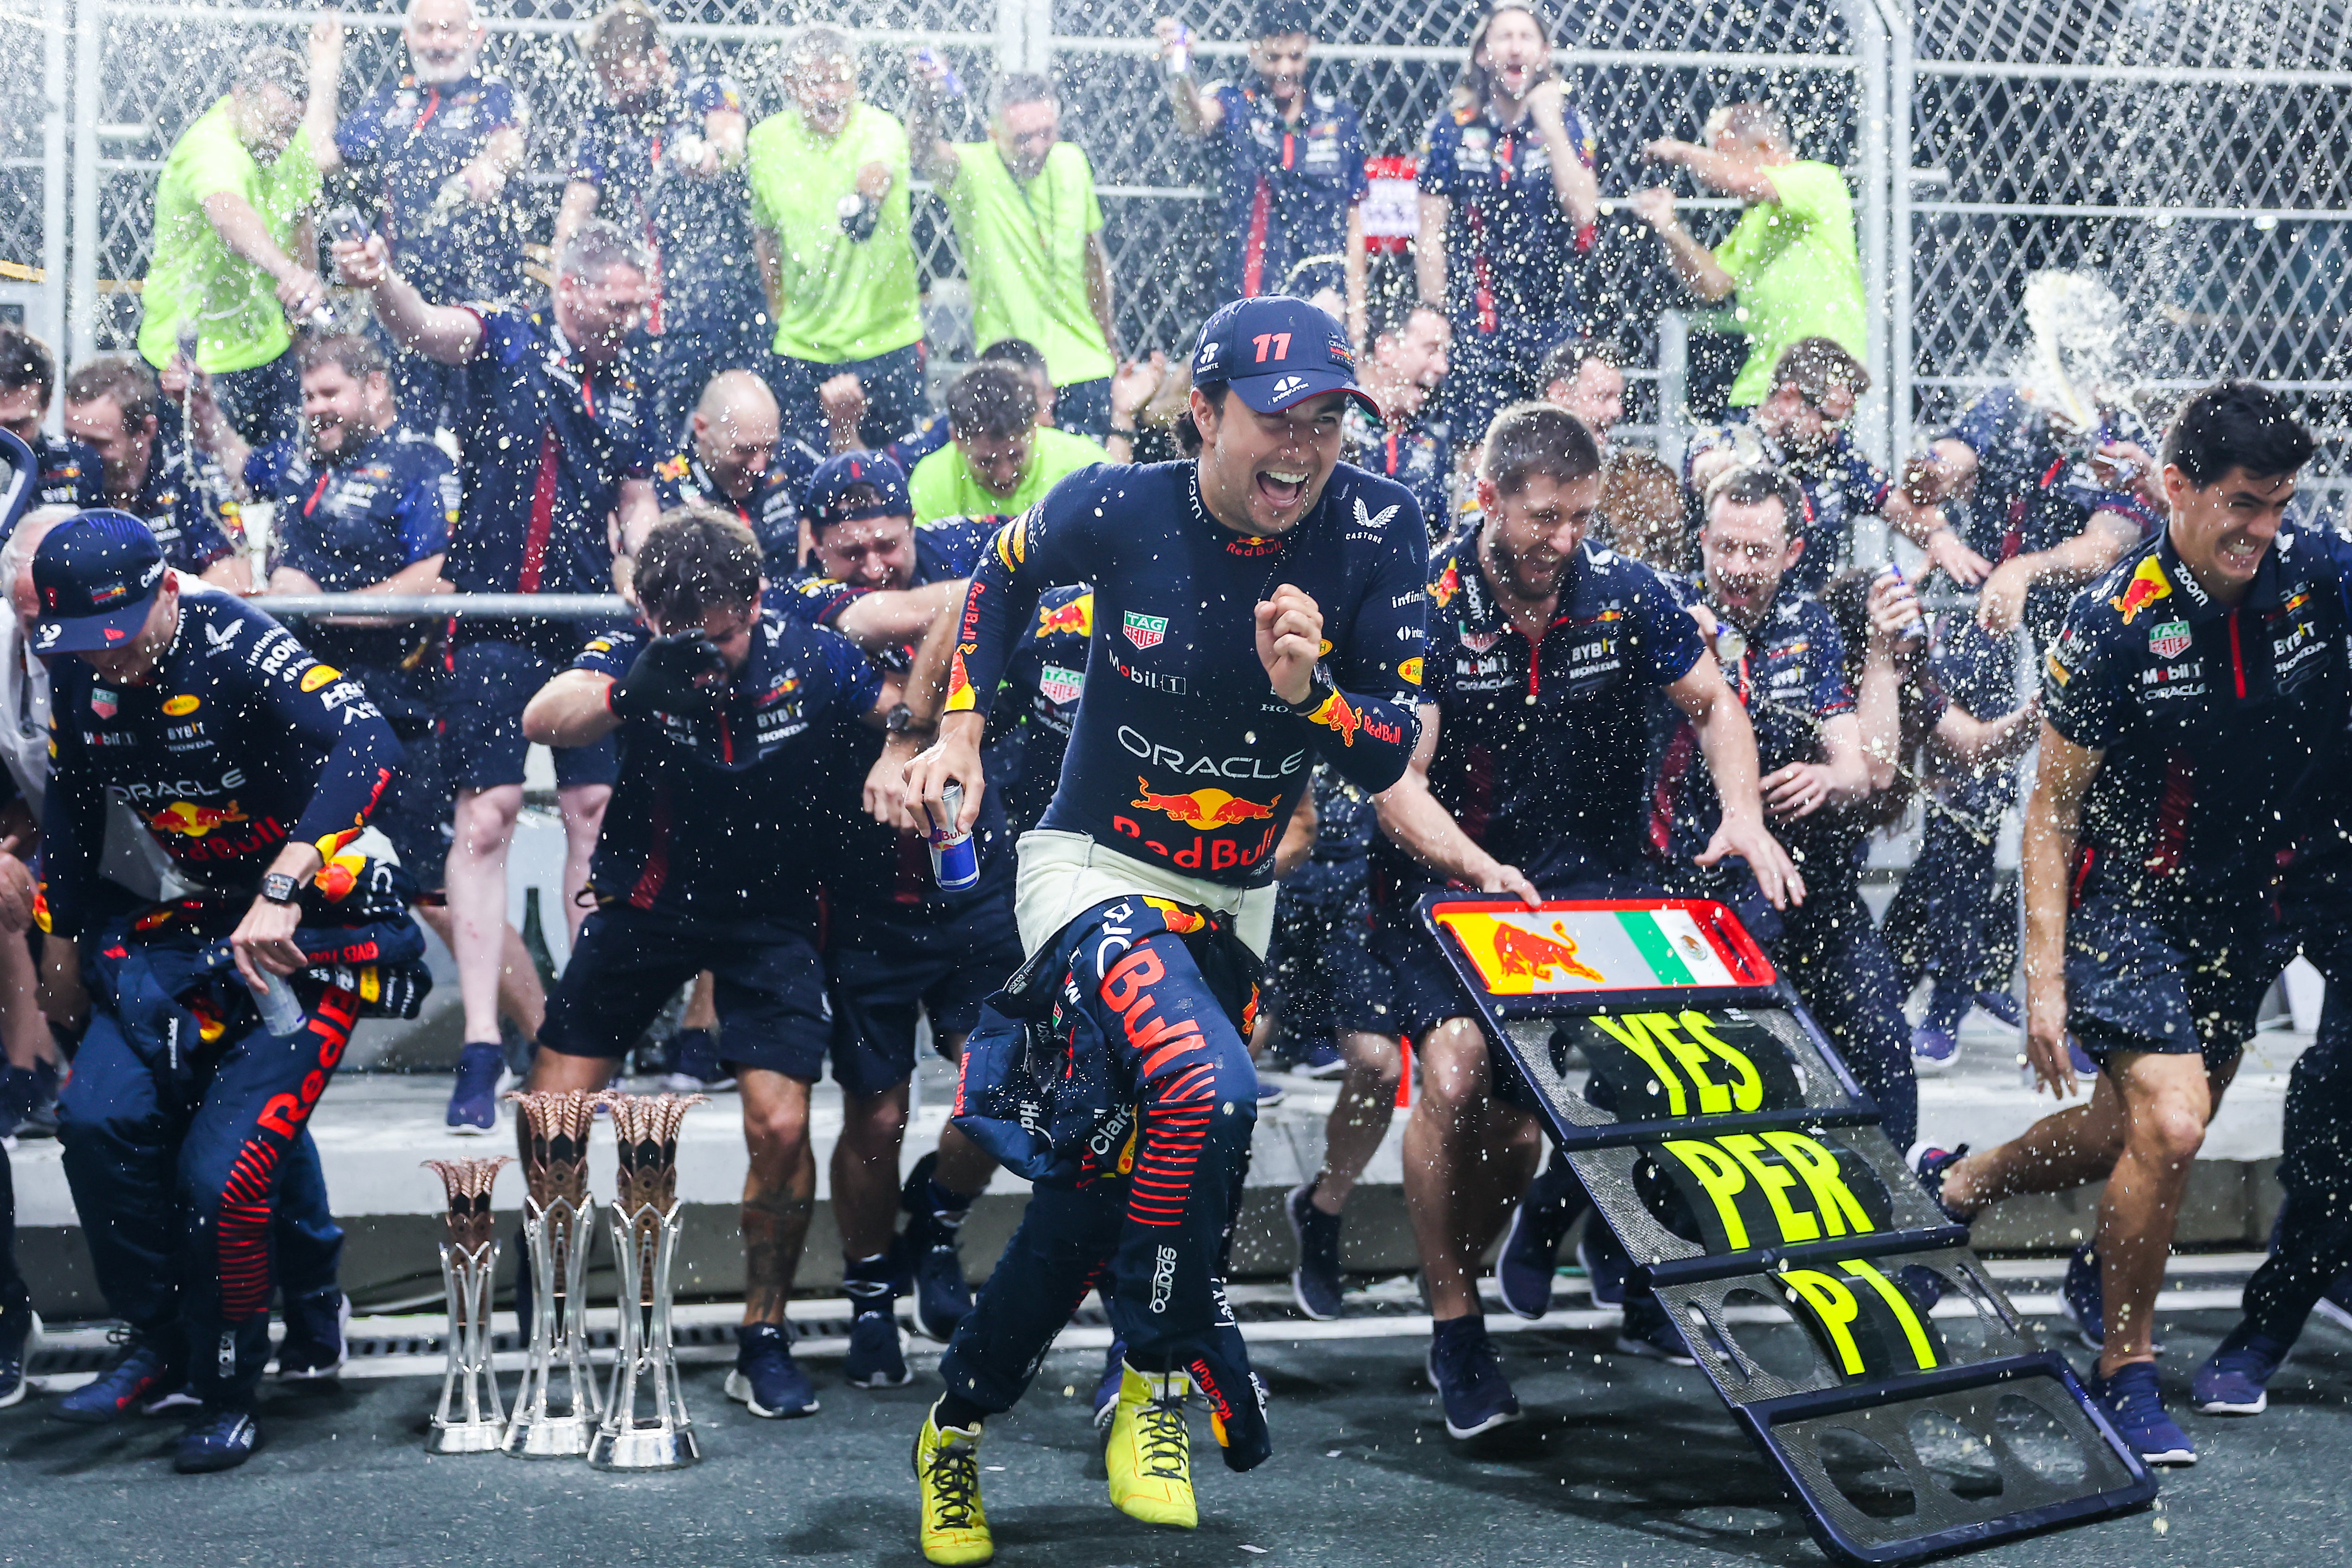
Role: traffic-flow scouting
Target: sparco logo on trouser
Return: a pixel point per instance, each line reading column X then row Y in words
column 1163, row 1277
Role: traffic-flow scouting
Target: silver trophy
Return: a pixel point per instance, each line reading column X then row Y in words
column 557, row 1407
column 470, row 1420
column 645, row 1244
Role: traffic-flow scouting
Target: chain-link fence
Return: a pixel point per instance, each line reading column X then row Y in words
column 2191, row 151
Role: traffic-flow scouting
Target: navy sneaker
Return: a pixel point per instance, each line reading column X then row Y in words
column 1106, row 1391
column 929, row 1251
column 766, row 1380
column 2003, row 1006
column 1650, row 1335
column 142, row 1379
column 2336, row 1306
column 1469, row 1379
column 1933, row 1050
column 2135, row 1408
column 313, row 1346
column 220, row 1438
column 474, row 1098
column 2083, row 1299
column 1315, row 1282
column 877, row 1357
column 695, row 1066
column 1932, row 1164
column 1270, row 1090
column 1604, row 1264
column 2231, row 1382
column 1530, row 1254
column 20, row 1339
column 1323, row 1061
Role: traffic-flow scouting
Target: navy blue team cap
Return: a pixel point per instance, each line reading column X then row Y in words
column 94, row 576
column 1276, row 350
column 827, row 499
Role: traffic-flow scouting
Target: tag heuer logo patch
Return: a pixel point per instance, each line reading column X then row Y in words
column 1060, row 686
column 2168, row 639
column 1146, row 631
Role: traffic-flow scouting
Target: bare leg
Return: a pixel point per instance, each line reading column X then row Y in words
column 1361, row 1119
column 476, row 892
column 779, row 1191
column 2167, row 1103
column 702, row 1007
column 2063, row 1151
column 866, row 1170
column 521, row 999
column 582, row 806
column 1446, row 1144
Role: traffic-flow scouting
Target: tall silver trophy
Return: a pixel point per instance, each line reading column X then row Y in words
column 470, row 1420
column 558, row 1407
column 646, row 1425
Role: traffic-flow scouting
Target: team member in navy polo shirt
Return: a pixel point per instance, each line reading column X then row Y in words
column 176, row 489
column 1529, row 779
column 1252, row 610
column 732, row 458
column 897, row 942
column 728, row 715
column 1291, row 175
column 438, row 146
column 556, row 472
column 70, row 472
column 1509, row 201
column 664, row 159
column 252, row 766
column 2194, row 701
column 1407, row 442
column 1799, row 429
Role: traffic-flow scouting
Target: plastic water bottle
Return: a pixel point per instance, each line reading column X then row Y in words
column 955, row 859
column 281, row 1012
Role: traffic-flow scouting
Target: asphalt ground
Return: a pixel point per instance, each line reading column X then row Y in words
column 1618, row 1463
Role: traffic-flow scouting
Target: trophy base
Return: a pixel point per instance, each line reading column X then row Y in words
column 465, row 1438
column 651, row 1450
column 549, row 1438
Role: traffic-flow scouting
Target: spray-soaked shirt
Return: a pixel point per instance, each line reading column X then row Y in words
column 771, row 511
column 1029, row 728
column 1838, row 484
column 1183, row 754
column 412, row 140
column 1511, row 250
column 700, row 227
column 1284, row 190
column 1417, row 454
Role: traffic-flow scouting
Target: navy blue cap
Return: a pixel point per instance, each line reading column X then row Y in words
column 826, row 500
column 94, row 576
column 1276, row 350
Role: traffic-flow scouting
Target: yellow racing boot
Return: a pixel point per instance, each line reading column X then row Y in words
column 946, row 1473
column 1149, row 1456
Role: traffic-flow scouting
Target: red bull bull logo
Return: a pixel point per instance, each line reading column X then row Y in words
column 1077, row 617
column 188, row 820
column 1448, row 584
column 2146, row 586
column 1519, row 952
column 1206, row 809
column 1337, row 716
column 959, row 699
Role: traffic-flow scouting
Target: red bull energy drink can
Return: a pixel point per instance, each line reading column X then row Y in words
column 955, row 859
column 949, row 83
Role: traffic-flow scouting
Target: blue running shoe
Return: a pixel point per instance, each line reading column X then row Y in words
column 1270, row 1090
column 2003, row 1006
column 1106, row 1391
column 142, row 1380
column 20, row 1339
column 878, row 1355
column 1933, row 1050
column 220, row 1438
column 2336, row 1306
column 766, row 1379
column 2083, row 1299
column 2231, row 1382
column 1323, row 1061
column 1530, row 1254
column 1604, row 1264
column 1932, row 1164
column 474, row 1098
column 1469, row 1378
column 1650, row 1335
column 1315, row 1283
column 313, row 1346
column 2135, row 1408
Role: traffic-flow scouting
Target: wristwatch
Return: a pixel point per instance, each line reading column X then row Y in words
column 278, row 887
column 899, row 720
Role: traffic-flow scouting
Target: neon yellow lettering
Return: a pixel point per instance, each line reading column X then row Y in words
column 1721, row 1176
column 1748, row 1092
column 1900, row 1305
column 1629, row 1034
column 1772, row 1180
column 1834, row 1306
column 1714, row 1099
column 1818, row 1166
